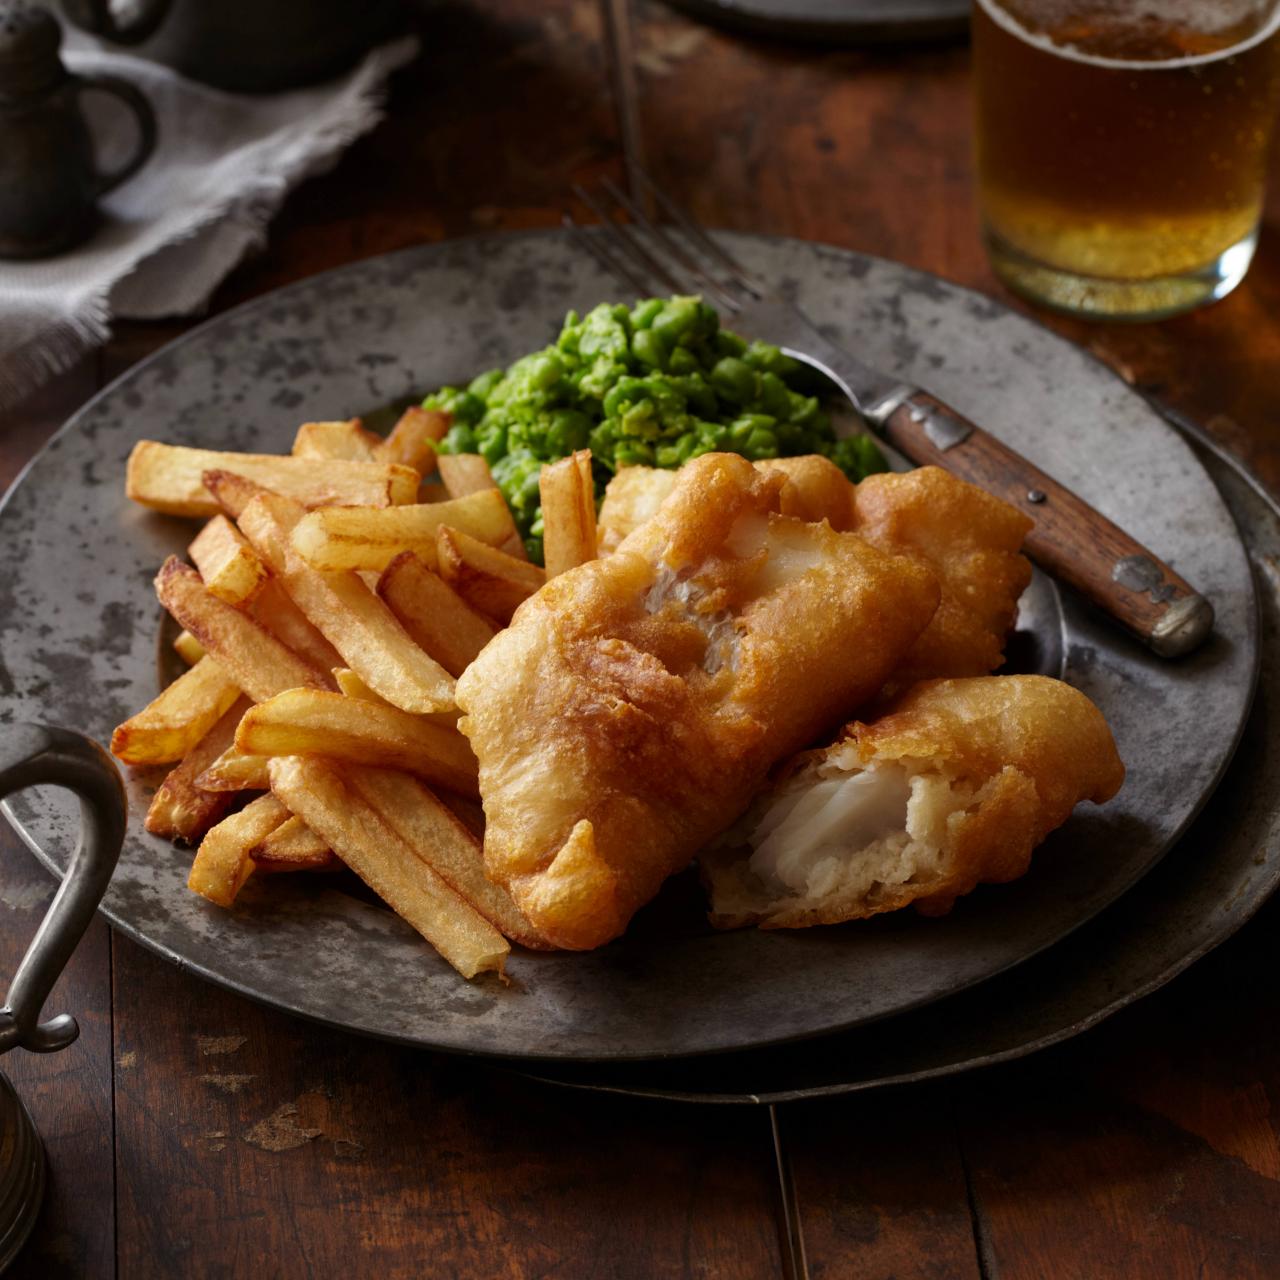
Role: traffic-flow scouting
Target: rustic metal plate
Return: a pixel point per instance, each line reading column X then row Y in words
column 1210, row 884
column 78, row 623
column 836, row 21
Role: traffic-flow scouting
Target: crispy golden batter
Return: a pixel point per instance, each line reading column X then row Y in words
column 971, row 540
column 636, row 703
column 816, row 489
column 970, row 776
column 630, row 498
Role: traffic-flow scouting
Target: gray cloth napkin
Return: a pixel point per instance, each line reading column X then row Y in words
column 222, row 167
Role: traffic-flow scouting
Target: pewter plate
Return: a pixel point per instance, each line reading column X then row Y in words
column 78, row 625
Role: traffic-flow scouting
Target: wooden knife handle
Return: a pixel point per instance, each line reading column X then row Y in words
column 1072, row 541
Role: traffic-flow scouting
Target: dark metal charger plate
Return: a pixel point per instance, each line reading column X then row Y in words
column 836, row 21
column 78, row 625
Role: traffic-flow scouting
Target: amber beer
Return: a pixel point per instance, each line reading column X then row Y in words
column 1121, row 146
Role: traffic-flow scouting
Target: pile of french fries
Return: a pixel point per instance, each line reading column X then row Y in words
column 334, row 600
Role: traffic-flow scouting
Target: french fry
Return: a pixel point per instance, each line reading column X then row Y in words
column 304, row 722
column 230, row 567
column 188, row 648
column 273, row 608
column 293, row 846
column 568, row 513
column 365, row 538
column 231, row 491
column 465, row 473
column 234, row 771
column 170, row 478
column 489, row 580
column 412, row 440
column 222, row 863
column 246, row 652
column 180, row 809
column 345, row 440
column 316, row 793
column 350, row 616
column 170, row 725
column 433, row 613
column 351, row 686
column 433, row 832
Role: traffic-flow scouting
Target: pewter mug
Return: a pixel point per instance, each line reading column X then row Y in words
column 247, row 46
column 35, row 755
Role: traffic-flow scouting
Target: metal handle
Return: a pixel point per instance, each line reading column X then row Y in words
column 33, row 755
column 141, row 108
column 99, row 19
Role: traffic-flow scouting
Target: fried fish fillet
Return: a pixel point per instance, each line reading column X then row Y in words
column 954, row 787
column 636, row 703
column 972, row 542
column 630, row 498
column 816, row 489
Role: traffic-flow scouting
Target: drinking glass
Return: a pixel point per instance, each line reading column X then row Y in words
column 1121, row 147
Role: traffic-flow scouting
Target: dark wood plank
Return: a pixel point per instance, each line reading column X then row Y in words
column 507, row 106
column 250, row 1143
column 881, row 1188
column 1150, row 1146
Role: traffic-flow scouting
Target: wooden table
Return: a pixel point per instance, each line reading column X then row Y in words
column 191, row 1133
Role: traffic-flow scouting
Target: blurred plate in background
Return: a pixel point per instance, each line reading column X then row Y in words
column 836, row 21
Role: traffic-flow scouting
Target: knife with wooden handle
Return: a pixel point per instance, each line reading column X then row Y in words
column 1071, row 540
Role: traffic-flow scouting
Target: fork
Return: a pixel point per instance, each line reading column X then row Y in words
column 1070, row 539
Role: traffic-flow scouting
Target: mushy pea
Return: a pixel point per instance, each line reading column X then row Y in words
column 654, row 385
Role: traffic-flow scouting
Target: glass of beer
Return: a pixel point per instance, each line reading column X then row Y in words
column 1122, row 145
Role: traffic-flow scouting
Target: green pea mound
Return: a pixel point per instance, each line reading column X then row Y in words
column 651, row 385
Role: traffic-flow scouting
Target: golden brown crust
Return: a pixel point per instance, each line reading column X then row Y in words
column 971, row 540
column 816, row 490
column 636, row 703
column 1031, row 748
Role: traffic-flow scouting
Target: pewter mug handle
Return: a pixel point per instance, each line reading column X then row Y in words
column 32, row 755
column 98, row 18
column 141, row 108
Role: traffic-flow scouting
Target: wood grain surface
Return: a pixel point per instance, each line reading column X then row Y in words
column 191, row 1133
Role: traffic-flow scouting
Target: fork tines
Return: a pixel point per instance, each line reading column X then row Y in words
column 676, row 257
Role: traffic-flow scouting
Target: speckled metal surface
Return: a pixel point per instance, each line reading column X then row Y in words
column 1209, row 885
column 78, row 620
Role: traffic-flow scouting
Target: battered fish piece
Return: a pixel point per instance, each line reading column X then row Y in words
column 630, row 498
column 954, row 787
column 816, row 489
column 636, row 703
column 972, row 541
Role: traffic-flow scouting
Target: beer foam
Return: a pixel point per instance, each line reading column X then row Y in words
column 1205, row 17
